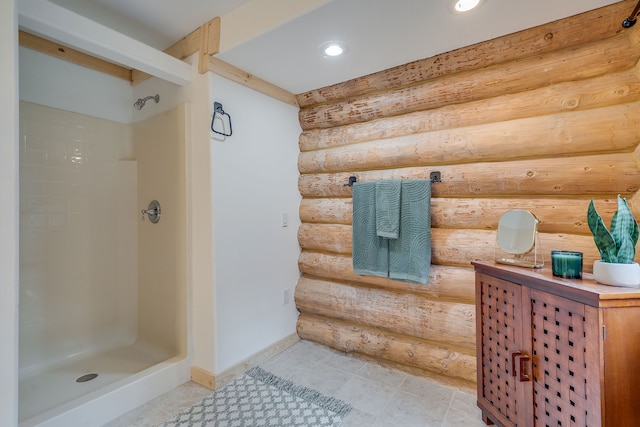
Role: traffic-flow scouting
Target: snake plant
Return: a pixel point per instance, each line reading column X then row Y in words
column 618, row 244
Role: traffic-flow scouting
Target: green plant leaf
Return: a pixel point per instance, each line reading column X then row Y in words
column 626, row 251
column 635, row 232
column 624, row 230
column 604, row 241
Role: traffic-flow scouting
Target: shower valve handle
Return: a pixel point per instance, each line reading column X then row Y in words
column 153, row 211
column 149, row 212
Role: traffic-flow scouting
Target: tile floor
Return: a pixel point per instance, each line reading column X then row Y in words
column 380, row 397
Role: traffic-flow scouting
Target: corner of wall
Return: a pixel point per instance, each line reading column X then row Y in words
column 9, row 213
column 200, row 226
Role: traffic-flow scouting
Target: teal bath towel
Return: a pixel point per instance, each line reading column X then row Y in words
column 388, row 208
column 370, row 251
column 410, row 253
column 406, row 258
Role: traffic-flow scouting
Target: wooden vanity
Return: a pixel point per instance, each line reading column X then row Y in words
column 556, row 352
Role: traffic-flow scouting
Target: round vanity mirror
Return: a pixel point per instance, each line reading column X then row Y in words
column 517, row 231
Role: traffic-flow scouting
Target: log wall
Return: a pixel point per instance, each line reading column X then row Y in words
column 543, row 120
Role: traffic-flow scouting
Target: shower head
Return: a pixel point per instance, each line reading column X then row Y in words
column 141, row 101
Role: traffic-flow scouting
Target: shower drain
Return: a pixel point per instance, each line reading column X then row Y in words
column 86, row 377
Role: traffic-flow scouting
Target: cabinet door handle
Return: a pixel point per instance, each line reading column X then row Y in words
column 524, row 376
column 522, row 358
column 513, row 362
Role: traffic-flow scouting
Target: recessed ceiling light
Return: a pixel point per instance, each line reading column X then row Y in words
column 333, row 49
column 465, row 5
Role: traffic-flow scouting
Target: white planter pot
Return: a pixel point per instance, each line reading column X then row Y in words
column 608, row 273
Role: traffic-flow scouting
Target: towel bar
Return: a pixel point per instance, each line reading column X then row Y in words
column 434, row 177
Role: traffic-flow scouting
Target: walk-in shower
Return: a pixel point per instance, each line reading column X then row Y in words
column 103, row 297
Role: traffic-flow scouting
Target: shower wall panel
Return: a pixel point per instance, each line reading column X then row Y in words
column 76, row 294
column 160, row 154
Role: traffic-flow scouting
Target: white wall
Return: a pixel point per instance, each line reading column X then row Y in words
column 171, row 95
column 50, row 81
column 254, row 180
column 9, row 213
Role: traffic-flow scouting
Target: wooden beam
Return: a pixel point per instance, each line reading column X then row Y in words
column 555, row 215
column 57, row 23
column 186, row 46
column 237, row 75
column 181, row 49
column 534, row 72
column 451, row 323
column 600, row 130
column 204, row 38
column 457, row 365
column 66, row 53
column 209, row 43
column 203, row 62
column 445, row 283
column 634, row 204
column 203, row 377
column 602, row 23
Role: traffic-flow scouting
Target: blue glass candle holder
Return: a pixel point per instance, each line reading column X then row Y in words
column 566, row 264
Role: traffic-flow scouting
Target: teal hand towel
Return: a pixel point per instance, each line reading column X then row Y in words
column 388, row 208
column 370, row 251
column 410, row 253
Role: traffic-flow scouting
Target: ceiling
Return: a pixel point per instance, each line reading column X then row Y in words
column 379, row 34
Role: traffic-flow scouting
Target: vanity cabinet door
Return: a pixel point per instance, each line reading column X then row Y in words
column 556, row 352
column 565, row 362
column 502, row 351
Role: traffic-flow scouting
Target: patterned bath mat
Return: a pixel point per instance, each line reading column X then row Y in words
column 259, row 398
